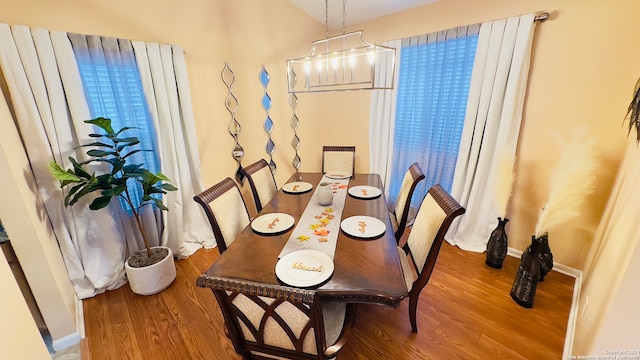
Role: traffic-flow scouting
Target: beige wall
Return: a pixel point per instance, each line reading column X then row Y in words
column 584, row 66
column 18, row 327
column 21, row 211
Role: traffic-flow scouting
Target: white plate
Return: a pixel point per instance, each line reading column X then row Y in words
column 297, row 187
column 364, row 192
column 273, row 223
column 303, row 268
column 338, row 175
column 363, row 226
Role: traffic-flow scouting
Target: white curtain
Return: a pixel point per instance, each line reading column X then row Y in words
column 492, row 124
column 164, row 78
column 47, row 100
column 381, row 121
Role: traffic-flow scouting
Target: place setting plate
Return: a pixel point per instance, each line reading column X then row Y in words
column 363, row 227
column 338, row 175
column 273, row 223
column 304, row 268
column 297, row 187
column 364, row 192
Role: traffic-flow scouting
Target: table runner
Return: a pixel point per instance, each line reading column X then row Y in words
column 319, row 226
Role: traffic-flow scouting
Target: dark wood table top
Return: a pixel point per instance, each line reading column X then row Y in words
column 365, row 270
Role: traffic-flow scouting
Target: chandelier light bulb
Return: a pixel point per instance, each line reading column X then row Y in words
column 372, row 56
column 352, row 60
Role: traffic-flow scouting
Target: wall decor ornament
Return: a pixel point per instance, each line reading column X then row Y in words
column 268, row 123
column 231, row 103
column 294, row 122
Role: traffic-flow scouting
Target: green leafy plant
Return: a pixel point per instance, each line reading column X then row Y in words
column 113, row 148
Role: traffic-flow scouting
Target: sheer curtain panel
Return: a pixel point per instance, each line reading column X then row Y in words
column 166, row 86
column 492, row 124
column 382, row 119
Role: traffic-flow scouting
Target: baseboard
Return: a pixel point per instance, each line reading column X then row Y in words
column 73, row 339
column 573, row 313
column 80, row 318
column 573, row 316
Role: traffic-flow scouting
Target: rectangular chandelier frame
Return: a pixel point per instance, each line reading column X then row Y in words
column 342, row 62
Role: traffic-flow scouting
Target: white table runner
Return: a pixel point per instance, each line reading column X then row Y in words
column 319, row 226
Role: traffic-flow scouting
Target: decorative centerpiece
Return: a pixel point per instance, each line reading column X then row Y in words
column 498, row 242
column 571, row 182
column 114, row 149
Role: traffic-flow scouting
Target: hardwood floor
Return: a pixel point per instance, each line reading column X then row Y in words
column 465, row 312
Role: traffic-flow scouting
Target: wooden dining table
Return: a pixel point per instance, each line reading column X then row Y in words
column 365, row 270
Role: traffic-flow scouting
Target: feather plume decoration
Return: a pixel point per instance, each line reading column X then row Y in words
column 504, row 180
column 571, row 181
column 633, row 111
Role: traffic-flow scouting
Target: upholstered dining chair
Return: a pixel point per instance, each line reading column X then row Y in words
column 271, row 321
column 226, row 211
column 437, row 211
column 262, row 183
column 338, row 158
column 400, row 214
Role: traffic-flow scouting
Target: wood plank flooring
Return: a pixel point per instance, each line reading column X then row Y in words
column 465, row 312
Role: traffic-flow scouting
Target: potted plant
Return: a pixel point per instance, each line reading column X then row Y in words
column 150, row 270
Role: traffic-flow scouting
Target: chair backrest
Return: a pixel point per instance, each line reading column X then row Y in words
column 269, row 321
column 411, row 179
column 437, row 211
column 226, row 211
column 338, row 158
column 262, row 183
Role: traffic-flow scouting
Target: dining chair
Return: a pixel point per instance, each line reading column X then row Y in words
column 419, row 254
column 266, row 321
column 400, row 214
column 262, row 183
column 338, row 158
column 226, row 211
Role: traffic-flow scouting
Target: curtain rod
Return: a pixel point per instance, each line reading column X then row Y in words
column 542, row 17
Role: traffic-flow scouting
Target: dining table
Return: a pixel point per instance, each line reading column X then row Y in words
column 365, row 270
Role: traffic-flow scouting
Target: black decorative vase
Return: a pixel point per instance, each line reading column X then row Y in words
column 526, row 282
column 544, row 256
column 497, row 245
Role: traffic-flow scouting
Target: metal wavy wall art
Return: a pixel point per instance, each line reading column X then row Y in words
column 231, row 103
column 294, row 121
column 268, row 123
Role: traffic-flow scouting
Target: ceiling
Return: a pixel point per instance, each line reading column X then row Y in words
column 357, row 11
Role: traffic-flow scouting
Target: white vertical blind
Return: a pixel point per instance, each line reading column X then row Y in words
column 435, row 72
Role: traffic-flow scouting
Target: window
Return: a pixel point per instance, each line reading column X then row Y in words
column 433, row 86
column 114, row 90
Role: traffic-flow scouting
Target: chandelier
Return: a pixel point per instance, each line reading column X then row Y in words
column 342, row 62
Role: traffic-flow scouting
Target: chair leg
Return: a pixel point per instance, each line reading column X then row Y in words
column 413, row 307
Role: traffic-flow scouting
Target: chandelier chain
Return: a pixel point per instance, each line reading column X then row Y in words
column 344, row 17
column 326, row 19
